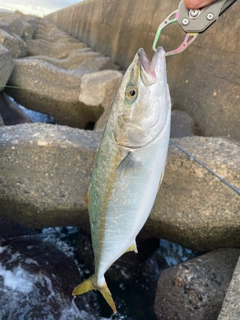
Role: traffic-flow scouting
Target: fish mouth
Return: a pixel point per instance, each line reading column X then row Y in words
column 150, row 69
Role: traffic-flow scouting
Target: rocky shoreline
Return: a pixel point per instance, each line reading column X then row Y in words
column 46, row 167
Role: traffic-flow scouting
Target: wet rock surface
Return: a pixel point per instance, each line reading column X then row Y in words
column 195, row 289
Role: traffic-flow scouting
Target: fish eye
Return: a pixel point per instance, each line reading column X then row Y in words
column 131, row 92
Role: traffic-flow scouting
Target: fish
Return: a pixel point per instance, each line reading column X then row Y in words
column 129, row 166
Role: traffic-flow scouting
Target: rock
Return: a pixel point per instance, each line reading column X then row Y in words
column 50, row 32
column 14, row 21
column 6, row 66
column 44, row 175
column 99, row 89
column 4, row 26
column 58, row 50
column 36, row 281
column 29, row 30
column 193, row 207
column 80, row 61
column 12, row 113
column 195, row 289
column 56, row 91
column 41, row 165
column 181, row 124
column 231, row 308
column 13, row 43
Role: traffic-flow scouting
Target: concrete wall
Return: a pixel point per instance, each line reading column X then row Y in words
column 204, row 80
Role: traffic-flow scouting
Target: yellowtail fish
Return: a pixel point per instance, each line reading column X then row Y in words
column 129, row 166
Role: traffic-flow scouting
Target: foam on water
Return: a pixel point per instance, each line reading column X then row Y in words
column 17, row 279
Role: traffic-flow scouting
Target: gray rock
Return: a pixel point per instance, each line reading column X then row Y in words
column 231, row 307
column 56, row 38
column 30, row 24
column 6, row 66
column 45, row 88
column 14, row 21
column 193, row 207
column 4, row 26
column 45, row 171
column 13, row 43
column 195, row 289
column 28, row 30
column 51, row 31
column 81, row 61
column 181, row 124
column 99, row 89
column 58, row 50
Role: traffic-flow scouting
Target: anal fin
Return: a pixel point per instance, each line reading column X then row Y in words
column 133, row 247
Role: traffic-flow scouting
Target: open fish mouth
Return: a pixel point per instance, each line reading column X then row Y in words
column 149, row 69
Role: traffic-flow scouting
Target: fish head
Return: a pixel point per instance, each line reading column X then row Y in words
column 142, row 104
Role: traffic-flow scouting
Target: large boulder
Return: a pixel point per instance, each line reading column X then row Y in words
column 194, row 207
column 14, row 22
column 6, row 66
column 58, row 50
column 195, row 290
column 54, row 92
column 13, row 43
column 99, row 89
column 45, row 172
column 41, row 165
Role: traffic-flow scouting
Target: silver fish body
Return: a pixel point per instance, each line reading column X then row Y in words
column 129, row 166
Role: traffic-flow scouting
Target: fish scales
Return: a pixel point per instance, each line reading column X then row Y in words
column 129, row 165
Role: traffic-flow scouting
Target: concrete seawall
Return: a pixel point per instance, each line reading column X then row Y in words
column 204, row 80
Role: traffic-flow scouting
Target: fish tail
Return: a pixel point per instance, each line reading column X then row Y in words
column 89, row 285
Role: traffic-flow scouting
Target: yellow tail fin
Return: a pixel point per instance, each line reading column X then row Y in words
column 88, row 285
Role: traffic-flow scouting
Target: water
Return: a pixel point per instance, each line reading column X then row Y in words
column 38, row 273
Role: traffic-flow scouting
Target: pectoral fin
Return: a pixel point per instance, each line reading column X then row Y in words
column 128, row 164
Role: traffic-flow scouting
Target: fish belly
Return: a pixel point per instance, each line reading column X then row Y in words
column 123, row 200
